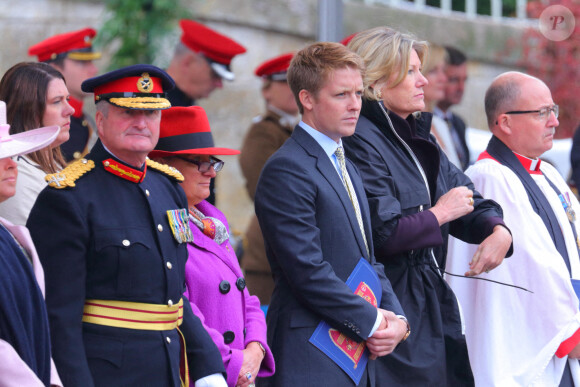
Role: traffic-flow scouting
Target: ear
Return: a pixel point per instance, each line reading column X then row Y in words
column 306, row 99
column 99, row 118
column 503, row 124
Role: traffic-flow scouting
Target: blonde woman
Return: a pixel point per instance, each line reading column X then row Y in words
column 416, row 199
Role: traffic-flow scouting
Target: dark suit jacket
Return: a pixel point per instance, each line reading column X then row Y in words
column 313, row 242
column 459, row 127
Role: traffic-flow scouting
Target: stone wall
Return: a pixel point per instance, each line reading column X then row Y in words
column 267, row 28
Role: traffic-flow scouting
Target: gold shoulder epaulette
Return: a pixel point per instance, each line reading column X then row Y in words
column 68, row 176
column 169, row 171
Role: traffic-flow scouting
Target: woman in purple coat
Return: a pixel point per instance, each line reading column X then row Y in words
column 215, row 284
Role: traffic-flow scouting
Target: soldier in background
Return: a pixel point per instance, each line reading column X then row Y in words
column 201, row 62
column 72, row 54
column 266, row 135
column 199, row 65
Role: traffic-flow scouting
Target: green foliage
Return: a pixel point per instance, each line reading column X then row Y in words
column 138, row 27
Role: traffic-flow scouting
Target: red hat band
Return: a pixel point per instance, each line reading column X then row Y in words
column 142, row 84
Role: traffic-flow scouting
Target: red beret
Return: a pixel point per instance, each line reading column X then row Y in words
column 275, row 68
column 185, row 130
column 74, row 45
column 214, row 46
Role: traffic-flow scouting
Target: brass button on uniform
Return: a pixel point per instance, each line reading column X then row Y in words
column 159, row 227
column 126, row 243
column 168, row 340
column 170, row 303
column 169, row 265
column 106, row 163
column 147, row 192
column 224, row 287
column 84, row 123
column 77, row 155
column 229, row 337
column 241, row 283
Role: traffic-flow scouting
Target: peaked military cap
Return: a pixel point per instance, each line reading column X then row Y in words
column 218, row 49
column 275, row 68
column 141, row 87
column 77, row 45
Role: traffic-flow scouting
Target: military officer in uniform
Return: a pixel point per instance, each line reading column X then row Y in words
column 72, row 54
column 112, row 234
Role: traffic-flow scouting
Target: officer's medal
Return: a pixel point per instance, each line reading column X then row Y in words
column 179, row 222
column 567, row 204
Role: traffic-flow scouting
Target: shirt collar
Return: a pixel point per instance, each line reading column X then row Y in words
column 285, row 118
column 531, row 165
column 142, row 168
column 440, row 113
column 327, row 143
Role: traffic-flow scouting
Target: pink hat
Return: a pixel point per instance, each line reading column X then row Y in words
column 25, row 142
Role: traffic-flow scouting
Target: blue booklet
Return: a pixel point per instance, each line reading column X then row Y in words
column 351, row 356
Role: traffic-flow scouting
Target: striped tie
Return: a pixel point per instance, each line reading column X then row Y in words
column 339, row 153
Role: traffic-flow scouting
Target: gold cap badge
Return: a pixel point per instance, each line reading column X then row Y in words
column 145, row 83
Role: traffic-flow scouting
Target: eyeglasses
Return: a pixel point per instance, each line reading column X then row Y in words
column 542, row 113
column 204, row 166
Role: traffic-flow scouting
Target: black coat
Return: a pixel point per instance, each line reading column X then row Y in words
column 110, row 239
column 408, row 241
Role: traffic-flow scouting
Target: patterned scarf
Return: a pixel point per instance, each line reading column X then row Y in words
column 210, row 226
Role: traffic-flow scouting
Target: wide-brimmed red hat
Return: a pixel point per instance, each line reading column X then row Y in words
column 275, row 68
column 185, row 130
column 77, row 45
column 217, row 48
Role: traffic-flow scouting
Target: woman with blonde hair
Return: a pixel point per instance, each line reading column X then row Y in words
column 416, row 199
column 36, row 95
